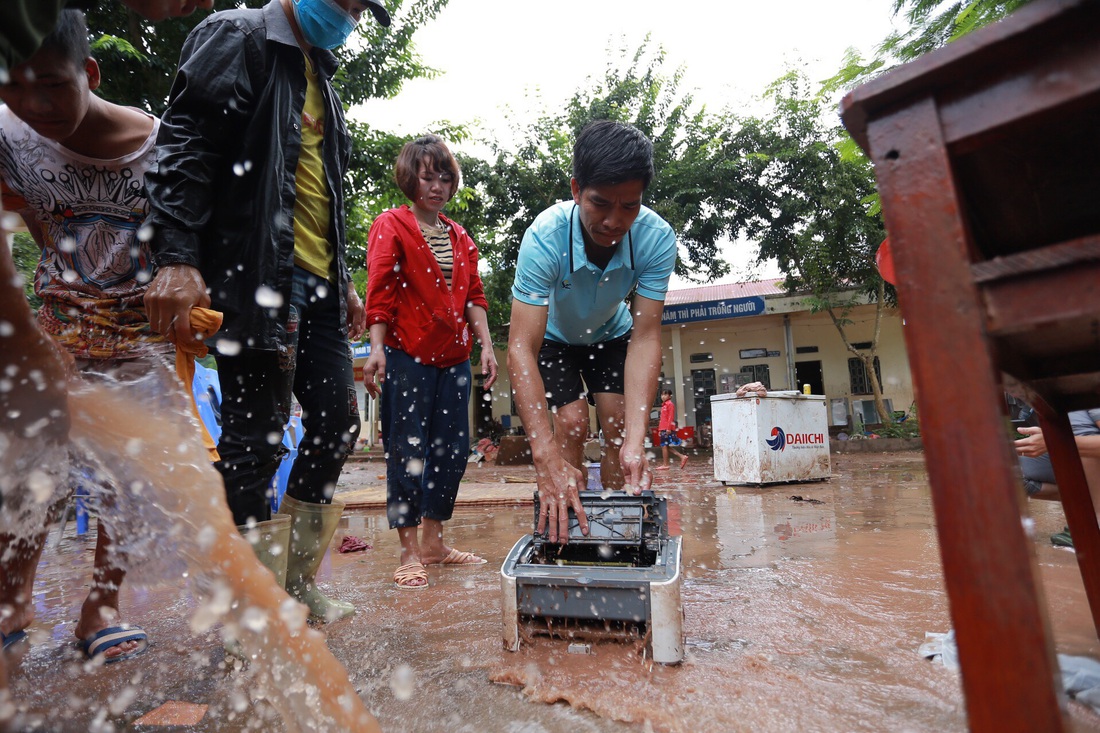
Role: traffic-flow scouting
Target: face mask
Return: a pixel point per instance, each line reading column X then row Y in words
column 323, row 23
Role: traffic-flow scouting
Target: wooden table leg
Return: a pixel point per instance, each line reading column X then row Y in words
column 1009, row 672
column 1076, row 500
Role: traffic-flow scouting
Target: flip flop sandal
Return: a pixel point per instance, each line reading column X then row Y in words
column 111, row 637
column 406, row 573
column 10, row 640
column 456, row 557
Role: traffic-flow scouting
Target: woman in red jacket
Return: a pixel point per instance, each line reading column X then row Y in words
column 424, row 298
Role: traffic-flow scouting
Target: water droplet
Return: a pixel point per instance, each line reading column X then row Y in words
column 40, row 485
column 145, row 233
column 254, row 619
column 403, row 682
column 228, row 347
column 266, row 297
column 414, row 466
column 293, row 614
column 121, row 700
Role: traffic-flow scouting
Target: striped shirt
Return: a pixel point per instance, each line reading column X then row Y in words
column 440, row 242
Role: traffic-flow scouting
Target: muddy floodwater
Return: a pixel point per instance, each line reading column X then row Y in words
column 798, row 615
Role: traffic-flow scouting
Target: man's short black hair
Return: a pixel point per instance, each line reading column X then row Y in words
column 667, row 391
column 69, row 37
column 608, row 153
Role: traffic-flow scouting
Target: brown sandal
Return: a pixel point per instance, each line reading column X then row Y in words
column 406, row 573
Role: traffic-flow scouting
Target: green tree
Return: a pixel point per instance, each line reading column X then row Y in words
column 929, row 25
column 810, row 209
column 26, row 253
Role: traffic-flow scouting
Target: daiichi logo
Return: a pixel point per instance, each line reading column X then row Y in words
column 778, row 440
column 781, row 439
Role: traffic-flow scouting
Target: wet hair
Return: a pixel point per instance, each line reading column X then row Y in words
column 608, row 153
column 69, row 37
column 429, row 149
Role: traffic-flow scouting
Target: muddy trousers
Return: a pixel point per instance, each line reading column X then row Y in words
column 426, row 433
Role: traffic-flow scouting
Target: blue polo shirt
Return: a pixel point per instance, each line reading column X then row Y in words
column 587, row 305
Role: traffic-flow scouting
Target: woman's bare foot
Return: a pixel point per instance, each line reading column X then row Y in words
column 410, row 553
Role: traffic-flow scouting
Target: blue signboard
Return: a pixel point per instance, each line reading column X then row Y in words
column 360, row 350
column 713, row 310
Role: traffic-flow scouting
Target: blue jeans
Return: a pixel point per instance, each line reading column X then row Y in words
column 256, row 395
column 426, row 432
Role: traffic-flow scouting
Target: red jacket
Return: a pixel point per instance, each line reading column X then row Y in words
column 406, row 289
column 668, row 416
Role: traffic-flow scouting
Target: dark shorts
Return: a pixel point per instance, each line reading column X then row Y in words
column 600, row 366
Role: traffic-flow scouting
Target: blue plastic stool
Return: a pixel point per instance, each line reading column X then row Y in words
column 207, row 392
column 81, row 510
column 292, row 437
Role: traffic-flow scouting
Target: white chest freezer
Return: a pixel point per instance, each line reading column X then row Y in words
column 762, row 440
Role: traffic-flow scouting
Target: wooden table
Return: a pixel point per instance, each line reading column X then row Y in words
column 987, row 155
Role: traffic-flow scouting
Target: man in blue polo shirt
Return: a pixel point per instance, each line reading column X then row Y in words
column 579, row 262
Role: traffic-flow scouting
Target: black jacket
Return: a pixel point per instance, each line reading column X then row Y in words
column 222, row 195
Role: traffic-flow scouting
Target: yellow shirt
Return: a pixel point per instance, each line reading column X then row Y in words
column 312, row 250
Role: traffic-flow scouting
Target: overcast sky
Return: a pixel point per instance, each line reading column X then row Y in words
column 519, row 58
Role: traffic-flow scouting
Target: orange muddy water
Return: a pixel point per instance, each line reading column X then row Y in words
column 799, row 615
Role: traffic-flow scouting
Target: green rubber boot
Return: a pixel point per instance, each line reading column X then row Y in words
column 270, row 541
column 311, row 530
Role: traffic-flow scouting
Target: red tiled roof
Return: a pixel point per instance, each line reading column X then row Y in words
column 704, row 293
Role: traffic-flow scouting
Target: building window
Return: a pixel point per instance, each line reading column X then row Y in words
column 862, row 345
column 858, row 378
column 756, row 373
column 805, row 350
column 701, row 358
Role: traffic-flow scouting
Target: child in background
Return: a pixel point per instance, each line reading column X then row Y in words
column 667, row 428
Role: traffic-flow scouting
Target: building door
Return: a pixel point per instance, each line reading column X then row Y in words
column 703, row 385
column 809, row 372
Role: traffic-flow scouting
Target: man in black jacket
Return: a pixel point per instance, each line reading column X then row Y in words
column 248, row 218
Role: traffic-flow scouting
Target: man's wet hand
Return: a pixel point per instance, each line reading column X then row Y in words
column 558, row 493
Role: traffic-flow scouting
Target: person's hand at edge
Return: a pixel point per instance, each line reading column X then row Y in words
column 357, row 315
column 488, row 367
column 1033, row 444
